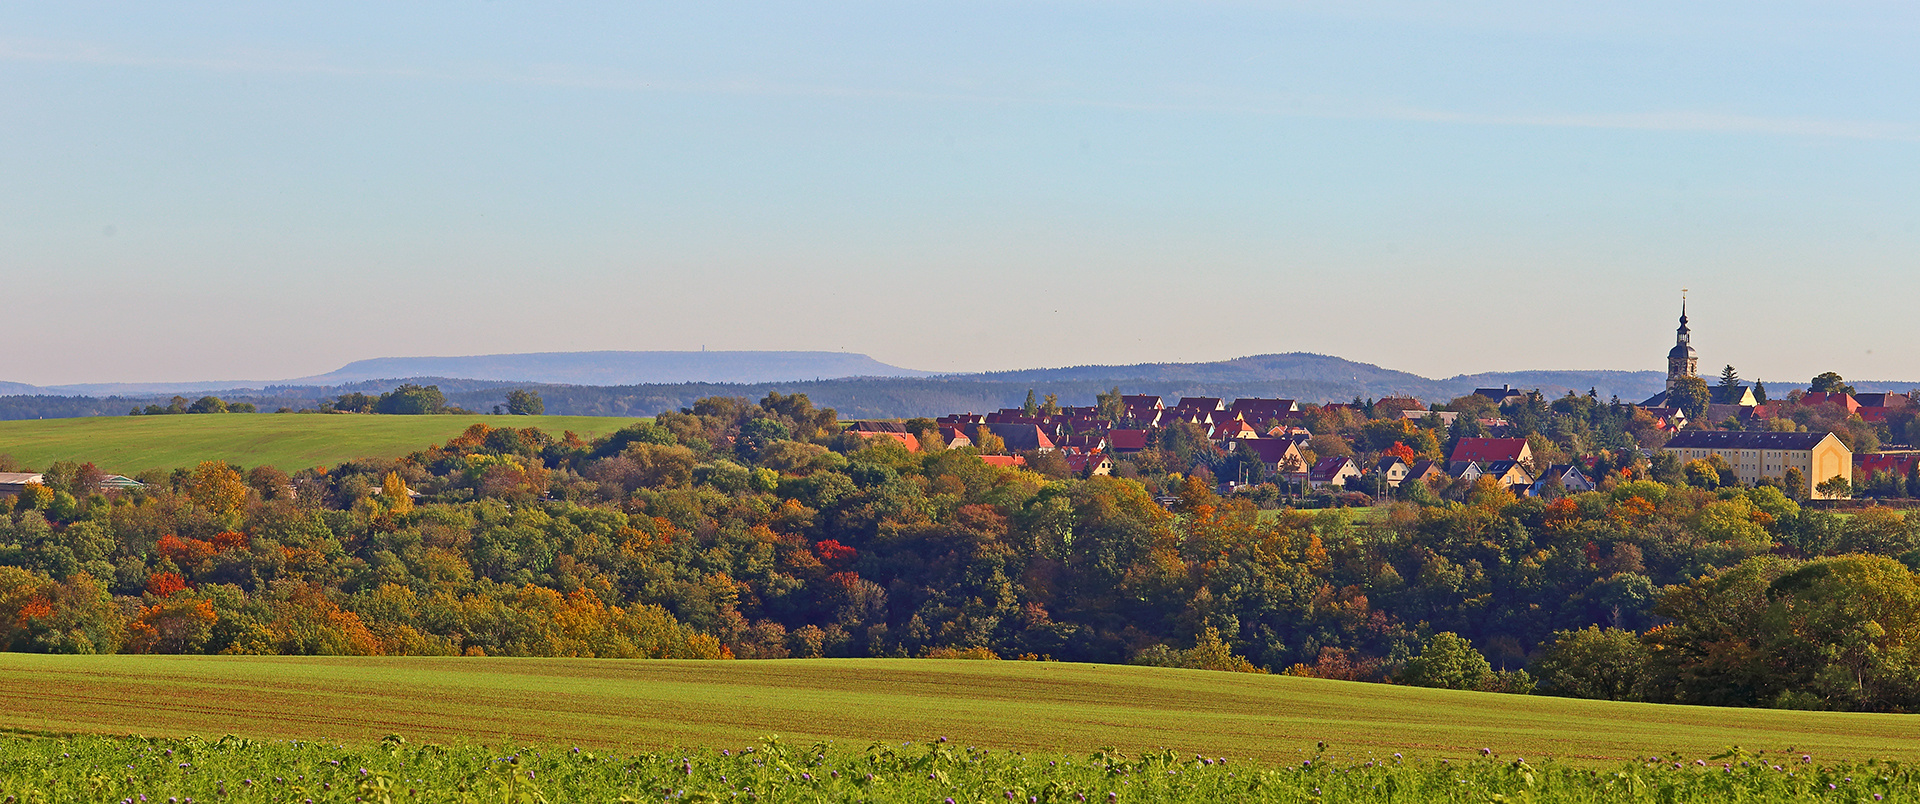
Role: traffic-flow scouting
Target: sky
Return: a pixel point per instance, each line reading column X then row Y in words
column 256, row 191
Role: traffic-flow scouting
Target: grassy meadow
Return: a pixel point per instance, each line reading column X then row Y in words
column 132, row 444
column 630, row 705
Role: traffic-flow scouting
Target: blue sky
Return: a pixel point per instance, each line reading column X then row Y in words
column 260, row 191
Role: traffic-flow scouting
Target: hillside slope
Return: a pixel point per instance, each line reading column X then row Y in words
column 131, row 444
column 621, row 368
column 1034, row 706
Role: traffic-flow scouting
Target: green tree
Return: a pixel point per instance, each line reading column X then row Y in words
column 1795, row 483
column 411, row 400
column 1111, row 405
column 1834, row 488
column 1447, row 661
column 208, row 404
column 521, row 402
column 1691, row 396
column 1031, row 407
column 1829, row 382
column 1608, row 664
column 355, row 402
column 1729, row 380
column 1760, row 392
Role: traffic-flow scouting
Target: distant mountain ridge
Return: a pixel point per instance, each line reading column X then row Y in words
column 621, row 368
column 599, row 383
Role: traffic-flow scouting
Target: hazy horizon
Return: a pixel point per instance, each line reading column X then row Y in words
column 262, row 193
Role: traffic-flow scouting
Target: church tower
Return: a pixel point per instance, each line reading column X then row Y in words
column 1682, row 361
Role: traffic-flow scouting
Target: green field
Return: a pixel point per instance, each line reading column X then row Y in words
column 1031, row 706
column 131, row 444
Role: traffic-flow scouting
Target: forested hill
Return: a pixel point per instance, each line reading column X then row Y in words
column 1338, row 379
column 1302, row 376
column 622, row 368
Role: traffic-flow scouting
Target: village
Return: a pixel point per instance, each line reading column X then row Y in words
column 1821, row 444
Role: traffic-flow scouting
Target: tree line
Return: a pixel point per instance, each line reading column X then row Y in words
column 764, row 529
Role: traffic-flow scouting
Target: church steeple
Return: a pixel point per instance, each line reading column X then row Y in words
column 1682, row 361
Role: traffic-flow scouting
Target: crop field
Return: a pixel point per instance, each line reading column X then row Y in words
column 396, row 770
column 132, row 444
column 632, row 705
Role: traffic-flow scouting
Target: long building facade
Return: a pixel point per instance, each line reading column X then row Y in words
column 1819, row 456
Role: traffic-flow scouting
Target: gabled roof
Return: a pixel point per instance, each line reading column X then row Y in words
column 955, row 437
column 1141, row 401
column 1505, row 469
column 1489, row 449
column 1327, row 469
column 1387, row 463
column 906, row 439
column 1271, row 450
column 1881, row 400
column 1732, row 395
column 877, row 427
column 1016, row 436
column 1420, row 470
column 1831, row 398
column 1866, row 463
column 1500, row 394
column 1743, row 439
column 1127, row 440
column 1258, row 411
column 1208, row 404
column 21, row 478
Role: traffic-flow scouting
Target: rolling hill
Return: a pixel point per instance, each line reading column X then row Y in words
column 131, row 444
column 1032, row 706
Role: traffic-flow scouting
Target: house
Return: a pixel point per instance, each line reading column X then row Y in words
column 1465, row 470
column 1571, row 478
column 1510, row 474
column 1734, row 395
column 1017, row 437
column 1819, row 456
column 1126, row 442
column 906, row 439
column 1846, row 402
column 1424, row 472
column 955, row 437
column 1260, row 411
column 120, row 483
column 1201, row 404
column 1142, row 402
column 1666, row 417
column 1082, row 444
column 1879, row 400
column 1503, row 396
column 1089, row 465
column 1391, row 469
column 877, row 427
column 1898, row 464
column 12, row 483
column 1276, row 453
column 1446, row 416
column 1332, row 472
column 1233, row 428
column 1487, row 450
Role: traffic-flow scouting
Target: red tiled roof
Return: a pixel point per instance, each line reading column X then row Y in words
column 1488, row 449
column 1130, row 440
column 1865, row 464
column 904, row 438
